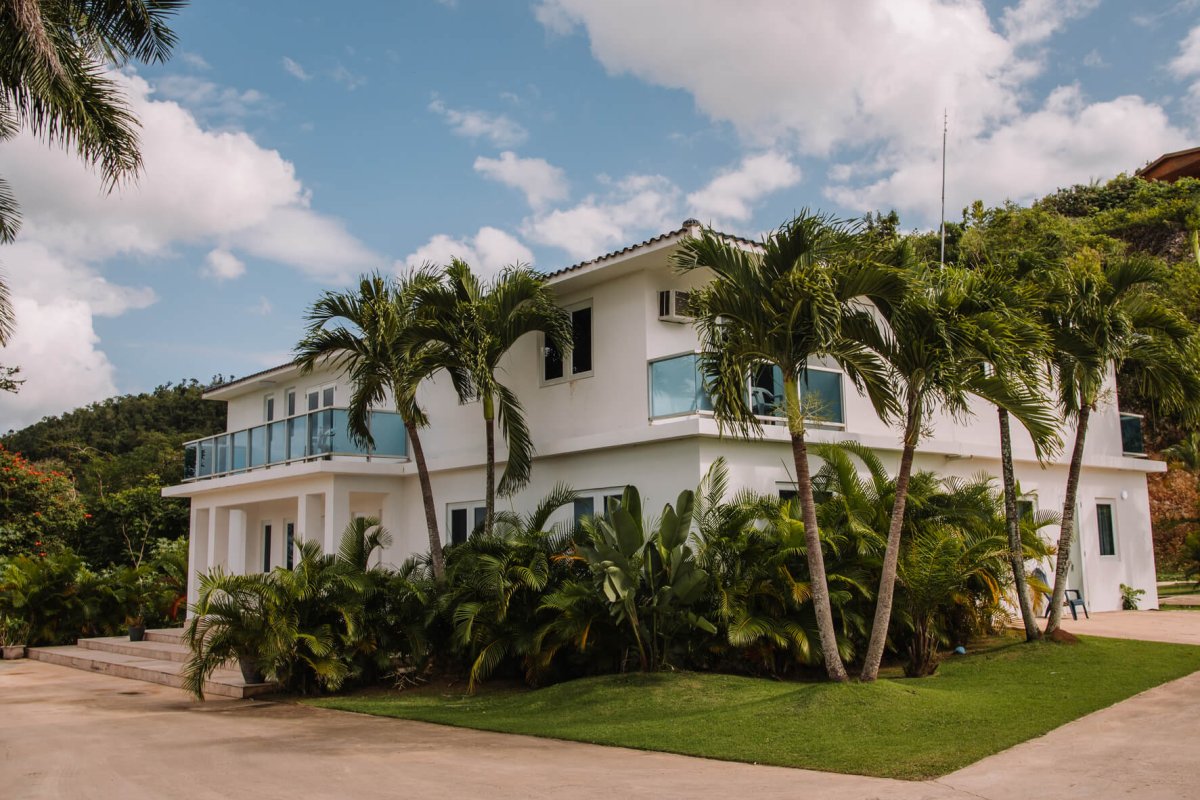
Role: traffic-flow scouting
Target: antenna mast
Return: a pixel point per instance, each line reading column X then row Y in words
column 943, row 217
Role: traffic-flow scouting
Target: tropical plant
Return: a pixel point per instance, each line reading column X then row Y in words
column 1130, row 597
column 801, row 295
column 58, row 598
column 1186, row 452
column 1104, row 314
column 304, row 628
column 39, row 507
column 478, row 322
column 647, row 573
column 370, row 335
column 55, row 57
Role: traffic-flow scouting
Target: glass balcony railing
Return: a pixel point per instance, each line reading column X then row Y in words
column 1131, row 435
column 320, row 434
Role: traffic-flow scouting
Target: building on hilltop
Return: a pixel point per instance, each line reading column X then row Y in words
column 626, row 407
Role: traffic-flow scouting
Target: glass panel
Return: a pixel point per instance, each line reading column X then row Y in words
column 320, row 433
column 480, row 516
column 290, row 543
column 191, row 452
column 207, row 457
column 581, row 333
column 388, row 431
column 266, row 548
column 222, row 454
column 676, row 387
column 258, row 445
column 766, row 392
column 313, row 398
column 1104, row 522
column 1131, row 435
column 240, row 447
column 269, row 408
column 327, row 397
column 291, row 402
column 297, row 437
column 458, row 526
column 277, row 444
column 821, row 395
column 584, row 507
column 552, row 366
column 340, row 440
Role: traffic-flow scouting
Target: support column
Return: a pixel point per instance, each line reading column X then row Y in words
column 337, row 516
column 197, row 552
column 237, row 541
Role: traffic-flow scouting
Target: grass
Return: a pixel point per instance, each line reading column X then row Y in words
column 913, row 729
column 1179, row 588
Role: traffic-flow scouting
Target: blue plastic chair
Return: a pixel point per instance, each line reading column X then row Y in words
column 1073, row 599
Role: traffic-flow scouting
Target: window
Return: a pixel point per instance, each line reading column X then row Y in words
column 267, row 547
column 464, row 518
column 554, row 366
column 291, row 402
column 320, row 397
column 269, row 408
column 327, row 397
column 676, row 387
column 820, row 394
column 1104, row 525
column 595, row 501
column 1026, row 509
column 584, row 507
column 289, row 543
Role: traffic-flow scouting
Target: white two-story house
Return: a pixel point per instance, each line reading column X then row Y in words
column 625, row 407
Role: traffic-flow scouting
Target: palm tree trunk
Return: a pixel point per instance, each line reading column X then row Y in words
column 1012, row 523
column 436, row 559
column 816, row 562
column 1067, row 531
column 891, row 555
column 489, row 421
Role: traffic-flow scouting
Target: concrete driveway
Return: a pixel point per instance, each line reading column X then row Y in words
column 70, row 734
column 1177, row 626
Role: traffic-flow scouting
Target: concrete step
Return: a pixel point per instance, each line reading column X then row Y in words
column 223, row 682
column 156, row 650
column 165, row 635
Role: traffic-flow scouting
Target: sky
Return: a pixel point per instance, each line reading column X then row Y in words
column 289, row 147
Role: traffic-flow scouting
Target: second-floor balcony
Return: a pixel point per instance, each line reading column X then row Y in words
column 317, row 435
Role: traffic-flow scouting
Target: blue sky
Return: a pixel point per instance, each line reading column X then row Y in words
column 291, row 146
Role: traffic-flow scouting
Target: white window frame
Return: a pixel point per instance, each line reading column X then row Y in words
column 269, row 407
column 816, row 423
column 319, row 391
column 290, row 396
column 1112, row 506
column 471, row 506
column 567, row 376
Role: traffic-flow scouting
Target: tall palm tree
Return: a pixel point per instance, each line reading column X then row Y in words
column 1107, row 315
column 950, row 339
column 371, row 336
column 798, row 296
column 54, row 56
column 478, row 322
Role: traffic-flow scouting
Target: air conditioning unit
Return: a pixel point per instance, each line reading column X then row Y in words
column 675, row 306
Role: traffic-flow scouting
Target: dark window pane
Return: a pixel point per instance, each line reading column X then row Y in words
column 266, row 548
column 766, row 391
column 458, row 526
column 581, row 333
column 327, row 397
column 313, row 399
column 269, row 411
column 290, row 543
column 821, row 394
column 1025, row 509
column 552, row 367
column 1104, row 522
column 291, row 403
column 584, row 507
column 787, row 494
column 480, row 516
column 611, row 502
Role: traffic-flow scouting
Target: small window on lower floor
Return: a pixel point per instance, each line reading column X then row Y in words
column 458, row 525
column 266, row 548
column 1106, row 530
column 464, row 519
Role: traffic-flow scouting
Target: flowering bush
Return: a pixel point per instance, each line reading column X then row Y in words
column 39, row 508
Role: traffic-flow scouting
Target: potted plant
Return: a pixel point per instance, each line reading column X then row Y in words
column 14, row 633
column 230, row 622
column 137, row 624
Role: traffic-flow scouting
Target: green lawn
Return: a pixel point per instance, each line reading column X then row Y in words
column 1178, row 588
column 975, row 706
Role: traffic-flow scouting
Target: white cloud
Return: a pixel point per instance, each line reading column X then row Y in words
column 222, row 265
column 865, row 83
column 498, row 129
column 194, row 60
column 1094, row 60
column 218, row 190
column 210, row 99
column 294, row 69
column 1033, row 21
column 488, row 251
column 347, row 78
column 732, row 194
column 1067, row 141
column 1186, row 65
column 264, row 308
column 638, row 203
column 541, row 181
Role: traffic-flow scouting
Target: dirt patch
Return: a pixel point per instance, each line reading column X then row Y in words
column 1062, row 637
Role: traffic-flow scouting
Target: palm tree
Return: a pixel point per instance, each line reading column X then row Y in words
column 950, row 339
column 371, row 336
column 478, row 322
column 54, row 59
column 1107, row 315
column 797, row 297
